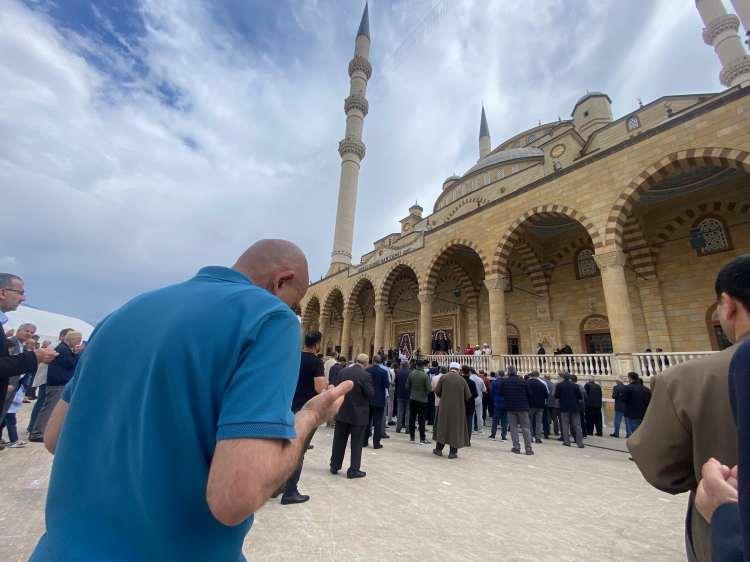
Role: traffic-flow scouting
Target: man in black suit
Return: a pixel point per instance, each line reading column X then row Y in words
column 379, row 376
column 352, row 417
column 570, row 396
column 12, row 294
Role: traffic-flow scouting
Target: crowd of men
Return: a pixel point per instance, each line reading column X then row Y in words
column 243, row 407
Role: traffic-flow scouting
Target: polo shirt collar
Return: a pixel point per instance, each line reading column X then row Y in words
column 224, row 274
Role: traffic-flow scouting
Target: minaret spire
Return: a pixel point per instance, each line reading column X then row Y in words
column 484, row 136
column 351, row 148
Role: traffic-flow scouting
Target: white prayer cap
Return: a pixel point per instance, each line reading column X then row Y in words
column 454, row 365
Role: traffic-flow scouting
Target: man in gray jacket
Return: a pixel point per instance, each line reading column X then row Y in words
column 552, row 411
column 419, row 387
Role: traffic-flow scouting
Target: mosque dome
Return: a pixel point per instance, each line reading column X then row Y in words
column 503, row 156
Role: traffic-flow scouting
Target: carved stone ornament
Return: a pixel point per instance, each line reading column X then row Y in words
column 734, row 69
column 426, row 297
column 361, row 64
column 613, row 258
column 596, row 324
column 352, row 146
column 495, row 283
column 727, row 22
column 356, row 102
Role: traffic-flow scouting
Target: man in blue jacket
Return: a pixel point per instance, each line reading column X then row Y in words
column 500, row 413
column 516, row 394
column 380, row 384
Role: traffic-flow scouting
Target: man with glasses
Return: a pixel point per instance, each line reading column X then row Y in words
column 12, row 294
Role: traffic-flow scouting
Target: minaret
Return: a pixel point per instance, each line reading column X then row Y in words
column 352, row 149
column 484, row 136
column 720, row 32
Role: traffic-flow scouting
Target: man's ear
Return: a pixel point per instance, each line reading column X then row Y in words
column 283, row 278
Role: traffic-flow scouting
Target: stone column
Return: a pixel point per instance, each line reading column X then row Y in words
column 721, row 32
column 653, row 313
column 379, row 325
column 498, row 323
column 346, row 330
column 324, row 326
column 425, row 322
column 612, row 266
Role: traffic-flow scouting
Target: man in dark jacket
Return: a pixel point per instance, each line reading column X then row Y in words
column 12, row 294
column 333, row 374
column 538, row 394
column 569, row 394
column 419, row 387
column 377, row 403
column 516, row 395
column 619, row 408
column 470, row 406
column 352, row 418
column 499, row 414
column 593, row 407
column 402, row 396
column 636, row 398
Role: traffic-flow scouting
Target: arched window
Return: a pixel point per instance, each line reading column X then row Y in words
column 487, row 179
column 713, row 236
column 585, row 264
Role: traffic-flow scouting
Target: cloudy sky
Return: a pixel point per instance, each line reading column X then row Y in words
column 142, row 140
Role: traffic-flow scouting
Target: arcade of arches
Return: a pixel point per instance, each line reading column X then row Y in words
column 628, row 264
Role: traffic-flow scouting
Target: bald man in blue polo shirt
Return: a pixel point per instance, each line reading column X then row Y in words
column 141, row 474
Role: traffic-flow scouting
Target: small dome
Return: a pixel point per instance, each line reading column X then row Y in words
column 505, row 156
column 450, row 180
column 590, row 95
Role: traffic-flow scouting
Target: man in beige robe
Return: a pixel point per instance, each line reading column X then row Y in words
column 689, row 419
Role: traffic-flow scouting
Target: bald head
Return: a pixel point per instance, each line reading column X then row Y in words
column 278, row 266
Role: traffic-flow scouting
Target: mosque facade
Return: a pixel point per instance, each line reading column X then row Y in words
column 600, row 232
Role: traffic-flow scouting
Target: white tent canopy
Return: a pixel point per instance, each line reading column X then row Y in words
column 48, row 324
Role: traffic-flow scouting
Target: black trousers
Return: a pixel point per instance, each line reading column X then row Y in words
column 594, row 420
column 291, row 485
column 431, row 408
column 376, row 422
column 417, row 410
column 340, row 436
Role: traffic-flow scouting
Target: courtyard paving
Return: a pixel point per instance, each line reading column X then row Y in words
column 562, row 504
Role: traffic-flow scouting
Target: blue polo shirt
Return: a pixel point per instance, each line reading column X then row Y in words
column 162, row 380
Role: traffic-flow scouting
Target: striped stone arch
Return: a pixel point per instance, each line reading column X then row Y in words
column 350, row 301
column 384, row 290
column 442, row 257
column 566, row 254
column 513, row 236
column 464, row 280
column 623, row 207
column 478, row 202
column 639, row 251
column 533, row 268
column 330, row 297
column 310, row 308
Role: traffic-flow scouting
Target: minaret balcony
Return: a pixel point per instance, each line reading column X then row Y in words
column 352, row 146
column 356, row 102
column 360, row 64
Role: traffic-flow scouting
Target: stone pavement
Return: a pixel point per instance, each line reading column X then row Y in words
column 562, row 504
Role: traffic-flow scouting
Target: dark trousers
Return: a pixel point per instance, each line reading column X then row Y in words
column 501, row 415
column 291, row 485
column 10, row 424
column 470, row 420
column 52, row 395
column 571, row 421
column 488, row 407
column 431, row 408
column 417, row 410
column 374, row 426
column 37, row 407
column 341, row 435
column 402, row 413
column 594, row 420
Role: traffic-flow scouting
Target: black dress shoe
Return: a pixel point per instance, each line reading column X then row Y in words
column 355, row 474
column 452, row 456
column 438, row 453
column 297, row 498
column 385, row 436
column 334, row 470
column 36, row 439
column 378, row 446
column 310, row 447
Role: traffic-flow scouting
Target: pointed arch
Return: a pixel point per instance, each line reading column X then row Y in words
column 514, row 233
column 443, row 255
column 623, row 207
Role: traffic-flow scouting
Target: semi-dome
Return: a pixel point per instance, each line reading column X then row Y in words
column 502, row 156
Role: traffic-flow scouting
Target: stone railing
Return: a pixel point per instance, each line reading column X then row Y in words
column 580, row 364
column 648, row 364
column 483, row 362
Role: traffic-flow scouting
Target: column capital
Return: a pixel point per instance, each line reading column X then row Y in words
column 612, row 258
column 426, row 297
column 380, row 307
column 495, row 283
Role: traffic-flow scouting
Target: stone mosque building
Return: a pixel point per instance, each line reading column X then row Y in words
column 600, row 232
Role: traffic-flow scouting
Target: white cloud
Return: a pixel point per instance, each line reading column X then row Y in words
column 117, row 192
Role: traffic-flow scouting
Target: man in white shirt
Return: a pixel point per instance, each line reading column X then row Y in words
column 481, row 389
